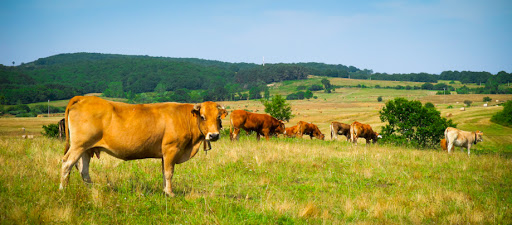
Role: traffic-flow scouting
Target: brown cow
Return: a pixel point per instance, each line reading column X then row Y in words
column 338, row 128
column 309, row 129
column 460, row 138
column 292, row 131
column 443, row 145
column 62, row 128
column 262, row 124
column 170, row 131
column 359, row 130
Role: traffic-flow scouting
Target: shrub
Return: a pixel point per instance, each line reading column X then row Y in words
column 504, row 117
column 301, row 88
column 278, row 108
column 468, row 102
column 429, row 105
column 51, row 130
column 379, row 99
column 315, row 87
column 450, row 107
column 487, row 99
column 411, row 123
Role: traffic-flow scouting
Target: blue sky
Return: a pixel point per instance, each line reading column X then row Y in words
column 390, row 36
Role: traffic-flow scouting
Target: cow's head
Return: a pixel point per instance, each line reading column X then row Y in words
column 321, row 136
column 209, row 115
column 280, row 129
column 376, row 136
column 479, row 136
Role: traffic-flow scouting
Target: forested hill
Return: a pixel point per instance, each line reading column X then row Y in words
column 65, row 75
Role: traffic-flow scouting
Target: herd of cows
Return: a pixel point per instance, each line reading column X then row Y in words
column 174, row 132
column 267, row 126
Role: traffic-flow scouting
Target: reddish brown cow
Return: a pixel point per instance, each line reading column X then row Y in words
column 262, row 124
column 172, row 132
column 444, row 146
column 359, row 130
column 338, row 128
column 292, row 131
column 309, row 129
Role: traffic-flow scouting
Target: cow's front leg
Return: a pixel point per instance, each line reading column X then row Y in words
column 469, row 147
column 168, row 169
column 266, row 133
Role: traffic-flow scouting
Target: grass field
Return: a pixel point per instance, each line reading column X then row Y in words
column 281, row 181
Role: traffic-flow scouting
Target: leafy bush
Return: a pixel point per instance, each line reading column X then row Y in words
column 450, row 107
column 315, row 87
column 51, row 130
column 468, row 102
column 27, row 114
column 411, row 123
column 41, row 109
column 429, row 105
column 18, row 109
column 379, row 99
column 487, row 99
column 504, row 117
column 278, row 108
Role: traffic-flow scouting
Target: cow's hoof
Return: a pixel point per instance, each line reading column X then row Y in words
column 170, row 194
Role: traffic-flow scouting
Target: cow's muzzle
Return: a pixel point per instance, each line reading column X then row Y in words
column 212, row 136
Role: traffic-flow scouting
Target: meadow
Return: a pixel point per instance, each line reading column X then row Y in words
column 280, row 181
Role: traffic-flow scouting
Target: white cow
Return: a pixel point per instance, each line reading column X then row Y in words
column 460, row 138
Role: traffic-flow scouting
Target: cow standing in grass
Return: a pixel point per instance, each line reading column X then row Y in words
column 338, row 128
column 172, row 132
column 359, row 130
column 309, row 129
column 262, row 124
column 462, row 139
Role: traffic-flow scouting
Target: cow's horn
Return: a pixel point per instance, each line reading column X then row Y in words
column 219, row 106
column 197, row 107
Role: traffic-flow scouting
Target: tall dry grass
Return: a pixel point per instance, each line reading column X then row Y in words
column 276, row 181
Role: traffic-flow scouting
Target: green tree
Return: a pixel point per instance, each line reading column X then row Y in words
column 255, row 93
column 114, row 90
column 266, row 94
column 487, row 99
column 327, row 85
column 379, row 99
column 411, row 123
column 278, row 108
column 160, row 88
column 308, row 94
column 427, row 86
column 468, row 102
column 504, row 117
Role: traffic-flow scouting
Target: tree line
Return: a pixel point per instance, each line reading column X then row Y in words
column 66, row 75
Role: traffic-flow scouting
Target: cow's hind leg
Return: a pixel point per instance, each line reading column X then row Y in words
column 83, row 166
column 68, row 161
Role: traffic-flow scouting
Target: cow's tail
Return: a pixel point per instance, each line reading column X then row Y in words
column 66, row 121
column 446, row 137
column 231, row 127
column 352, row 133
column 331, row 130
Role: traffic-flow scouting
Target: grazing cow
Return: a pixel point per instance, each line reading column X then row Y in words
column 460, row 138
column 170, row 131
column 338, row 128
column 292, row 131
column 443, row 145
column 262, row 124
column 62, row 128
column 359, row 130
column 309, row 129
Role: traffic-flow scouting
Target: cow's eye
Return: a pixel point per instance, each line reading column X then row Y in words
column 202, row 117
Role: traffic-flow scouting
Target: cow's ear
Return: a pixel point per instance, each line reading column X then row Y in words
column 223, row 112
column 196, row 109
